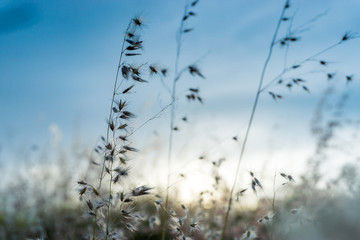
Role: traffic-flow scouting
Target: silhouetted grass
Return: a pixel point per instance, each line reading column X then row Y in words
column 44, row 205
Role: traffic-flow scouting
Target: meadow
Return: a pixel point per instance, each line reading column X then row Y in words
column 176, row 161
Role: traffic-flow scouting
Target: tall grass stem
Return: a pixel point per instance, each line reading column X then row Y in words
column 251, row 119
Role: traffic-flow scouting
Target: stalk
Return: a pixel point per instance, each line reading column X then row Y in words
column 108, row 132
column 252, row 117
column 172, row 118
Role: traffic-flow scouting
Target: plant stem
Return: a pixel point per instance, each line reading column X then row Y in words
column 172, row 117
column 108, row 127
column 285, row 70
column 251, row 119
column 273, row 207
column 109, row 199
column 113, row 98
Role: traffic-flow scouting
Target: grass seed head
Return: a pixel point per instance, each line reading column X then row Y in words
column 348, row 35
column 257, row 182
column 137, row 21
column 193, row 4
column 140, row 191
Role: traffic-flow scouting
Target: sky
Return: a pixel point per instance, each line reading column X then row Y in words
column 58, row 63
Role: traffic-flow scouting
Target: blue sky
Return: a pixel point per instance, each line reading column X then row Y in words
column 58, row 62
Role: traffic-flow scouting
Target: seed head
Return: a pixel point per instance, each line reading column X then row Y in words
column 291, row 179
column 140, row 191
column 349, row 78
column 193, row 4
column 248, row 235
column 157, row 204
column 330, row 75
column 287, row 4
column 153, row 69
column 322, row 62
column 130, row 34
column 131, row 227
column 306, row 89
column 82, row 191
column 346, row 37
column 137, row 21
column 195, row 71
column 81, row 182
column 253, row 185
column 128, row 89
column 164, row 71
column 257, row 182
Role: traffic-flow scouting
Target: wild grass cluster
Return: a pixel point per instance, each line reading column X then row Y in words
column 103, row 204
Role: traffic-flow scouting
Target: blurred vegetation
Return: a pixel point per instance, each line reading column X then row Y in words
column 44, row 205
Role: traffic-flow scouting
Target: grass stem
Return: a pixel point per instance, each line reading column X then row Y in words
column 251, row 119
column 172, row 117
column 108, row 131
